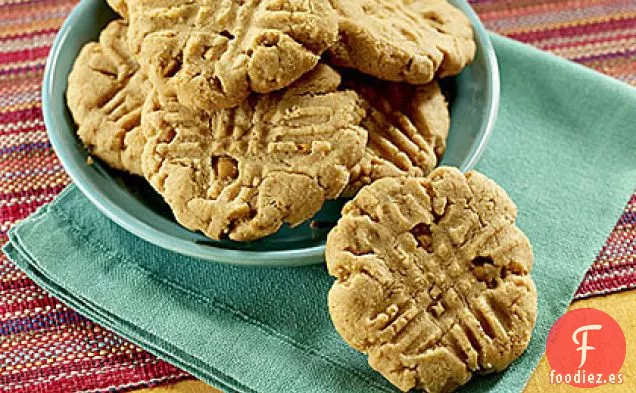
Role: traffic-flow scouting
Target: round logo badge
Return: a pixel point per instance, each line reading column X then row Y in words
column 586, row 348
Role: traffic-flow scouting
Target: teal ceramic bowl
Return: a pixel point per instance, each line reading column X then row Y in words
column 131, row 203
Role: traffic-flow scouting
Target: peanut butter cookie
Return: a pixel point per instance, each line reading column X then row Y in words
column 212, row 53
column 243, row 172
column 402, row 40
column 119, row 6
column 432, row 279
column 407, row 125
column 106, row 91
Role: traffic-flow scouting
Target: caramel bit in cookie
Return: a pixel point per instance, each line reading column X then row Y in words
column 213, row 54
column 423, row 235
column 243, row 172
column 226, row 168
column 408, row 126
column 402, row 40
column 106, row 91
column 432, row 279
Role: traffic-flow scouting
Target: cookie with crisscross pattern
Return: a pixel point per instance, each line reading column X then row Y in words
column 432, row 279
column 243, row 172
column 106, row 91
column 402, row 40
column 212, row 54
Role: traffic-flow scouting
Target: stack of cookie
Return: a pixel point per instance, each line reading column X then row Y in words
column 246, row 115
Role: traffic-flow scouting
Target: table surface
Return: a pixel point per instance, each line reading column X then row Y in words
column 600, row 34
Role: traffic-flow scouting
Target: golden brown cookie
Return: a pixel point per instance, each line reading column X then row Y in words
column 407, row 125
column 243, row 172
column 212, row 53
column 432, row 279
column 106, row 91
column 402, row 40
column 119, row 6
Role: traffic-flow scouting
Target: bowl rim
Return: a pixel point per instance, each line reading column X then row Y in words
column 493, row 85
column 295, row 257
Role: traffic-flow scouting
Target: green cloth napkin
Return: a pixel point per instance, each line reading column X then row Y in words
column 564, row 148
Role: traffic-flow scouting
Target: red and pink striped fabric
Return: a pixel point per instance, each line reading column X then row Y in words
column 46, row 347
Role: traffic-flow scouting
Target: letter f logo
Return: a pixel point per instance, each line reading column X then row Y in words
column 584, row 347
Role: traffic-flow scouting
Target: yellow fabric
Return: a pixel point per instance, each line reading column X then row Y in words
column 191, row 386
column 620, row 306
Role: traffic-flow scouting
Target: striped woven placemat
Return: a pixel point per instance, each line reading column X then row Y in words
column 46, row 347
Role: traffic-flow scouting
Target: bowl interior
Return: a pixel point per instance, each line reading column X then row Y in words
column 133, row 204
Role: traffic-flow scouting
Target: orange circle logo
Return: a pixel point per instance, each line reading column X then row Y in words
column 586, row 348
